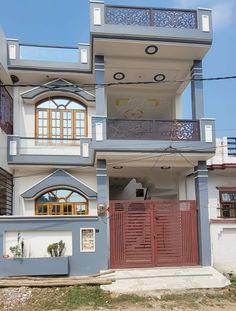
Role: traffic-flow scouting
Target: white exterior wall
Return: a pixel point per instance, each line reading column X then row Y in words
column 129, row 192
column 25, row 180
column 223, row 231
column 223, row 237
column 36, row 242
column 187, row 188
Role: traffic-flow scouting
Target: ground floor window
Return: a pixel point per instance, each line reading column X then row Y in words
column 6, row 194
column 227, row 202
column 61, row 202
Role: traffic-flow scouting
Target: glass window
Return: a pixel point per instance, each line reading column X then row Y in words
column 61, row 118
column 68, row 202
column 228, row 203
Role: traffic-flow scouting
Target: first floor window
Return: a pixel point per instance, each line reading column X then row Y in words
column 61, row 202
column 228, row 202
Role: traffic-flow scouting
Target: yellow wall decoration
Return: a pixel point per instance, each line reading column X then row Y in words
column 121, row 101
column 154, row 102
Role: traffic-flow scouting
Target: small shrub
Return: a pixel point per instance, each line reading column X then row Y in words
column 56, row 249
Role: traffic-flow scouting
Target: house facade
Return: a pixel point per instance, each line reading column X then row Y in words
column 95, row 151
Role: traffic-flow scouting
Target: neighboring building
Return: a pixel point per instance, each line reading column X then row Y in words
column 222, row 204
column 99, row 160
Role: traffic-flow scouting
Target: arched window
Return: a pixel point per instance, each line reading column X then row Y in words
column 61, row 118
column 61, row 202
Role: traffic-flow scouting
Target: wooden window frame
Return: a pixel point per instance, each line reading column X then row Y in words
column 50, row 205
column 229, row 205
column 49, row 120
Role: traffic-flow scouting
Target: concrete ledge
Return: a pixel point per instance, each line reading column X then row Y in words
column 34, row 266
column 134, row 280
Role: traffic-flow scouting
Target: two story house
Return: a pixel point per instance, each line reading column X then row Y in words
column 94, row 148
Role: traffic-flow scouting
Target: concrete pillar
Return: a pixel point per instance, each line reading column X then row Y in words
column 197, row 91
column 178, row 107
column 102, row 202
column 201, row 188
column 102, row 183
column 101, row 100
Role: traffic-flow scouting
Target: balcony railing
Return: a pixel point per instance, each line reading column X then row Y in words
column 6, row 111
column 135, row 16
column 49, row 53
column 48, row 146
column 176, row 130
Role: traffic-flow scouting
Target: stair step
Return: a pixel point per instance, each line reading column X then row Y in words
column 132, row 280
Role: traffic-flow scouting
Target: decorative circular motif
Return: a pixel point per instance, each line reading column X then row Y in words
column 151, row 49
column 160, row 77
column 119, row 76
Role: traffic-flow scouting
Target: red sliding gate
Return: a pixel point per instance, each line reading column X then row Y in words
column 153, row 233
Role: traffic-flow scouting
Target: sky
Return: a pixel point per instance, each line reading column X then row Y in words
column 60, row 22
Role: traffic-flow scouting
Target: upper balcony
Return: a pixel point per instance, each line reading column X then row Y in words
column 48, row 57
column 162, row 24
column 187, row 136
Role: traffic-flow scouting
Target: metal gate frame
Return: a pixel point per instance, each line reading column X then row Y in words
column 153, row 233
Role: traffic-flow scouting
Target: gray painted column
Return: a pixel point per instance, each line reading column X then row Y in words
column 101, row 102
column 201, row 188
column 102, row 182
column 197, row 91
column 103, row 200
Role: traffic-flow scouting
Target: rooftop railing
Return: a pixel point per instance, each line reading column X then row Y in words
column 173, row 18
column 49, row 53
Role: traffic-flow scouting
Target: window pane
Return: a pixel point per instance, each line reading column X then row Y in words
column 61, row 101
column 42, row 210
column 75, row 197
column 74, row 105
column 47, row 105
column 56, row 210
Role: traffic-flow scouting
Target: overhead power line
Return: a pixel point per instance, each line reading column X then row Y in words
column 79, row 86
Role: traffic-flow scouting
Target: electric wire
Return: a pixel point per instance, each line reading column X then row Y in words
column 53, row 87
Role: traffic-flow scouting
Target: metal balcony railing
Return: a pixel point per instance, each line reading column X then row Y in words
column 136, row 16
column 176, row 130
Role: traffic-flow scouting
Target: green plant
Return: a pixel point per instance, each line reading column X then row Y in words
column 18, row 249
column 56, row 249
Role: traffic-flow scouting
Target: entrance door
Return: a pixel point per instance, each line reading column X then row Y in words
column 153, row 233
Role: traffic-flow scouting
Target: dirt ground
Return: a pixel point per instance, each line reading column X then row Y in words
column 88, row 298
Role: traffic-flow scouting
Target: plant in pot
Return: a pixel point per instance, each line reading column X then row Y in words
column 18, row 249
column 56, row 249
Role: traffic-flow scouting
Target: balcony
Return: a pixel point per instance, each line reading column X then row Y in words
column 67, row 58
column 159, row 135
column 173, row 18
column 157, row 23
column 49, row 151
column 178, row 130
